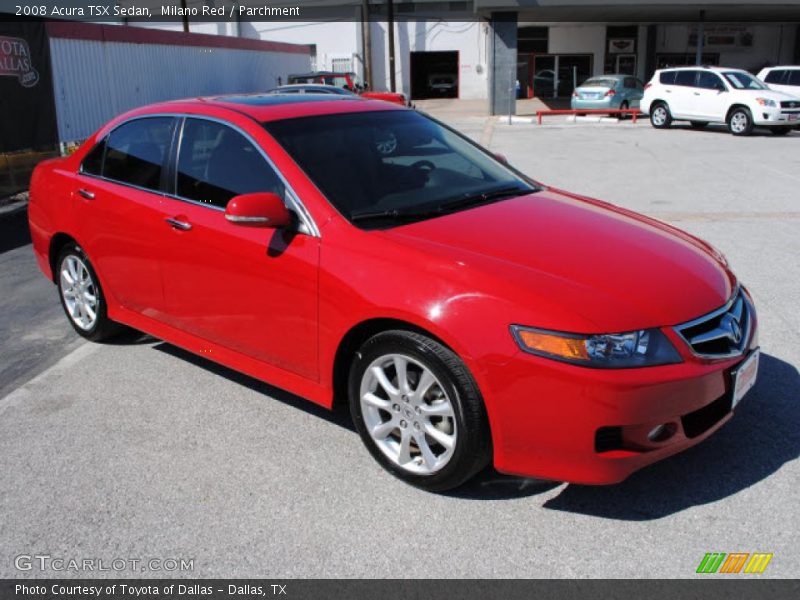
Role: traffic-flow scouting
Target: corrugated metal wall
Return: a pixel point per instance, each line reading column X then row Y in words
column 95, row 81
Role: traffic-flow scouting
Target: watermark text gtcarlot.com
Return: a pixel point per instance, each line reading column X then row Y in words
column 59, row 564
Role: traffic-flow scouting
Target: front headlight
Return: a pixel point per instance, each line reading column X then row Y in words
column 644, row 348
column 766, row 102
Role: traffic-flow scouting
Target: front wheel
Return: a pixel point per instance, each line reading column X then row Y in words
column 82, row 297
column 418, row 410
column 660, row 117
column 740, row 121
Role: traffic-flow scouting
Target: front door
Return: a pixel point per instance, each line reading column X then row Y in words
column 711, row 99
column 118, row 201
column 250, row 289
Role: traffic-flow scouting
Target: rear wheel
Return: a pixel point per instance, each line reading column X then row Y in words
column 780, row 130
column 698, row 124
column 418, row 410
column 82, row 297
column 660, row 117
column 623, row 106
column 740, row 121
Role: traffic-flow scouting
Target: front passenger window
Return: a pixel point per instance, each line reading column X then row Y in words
column 216, row 163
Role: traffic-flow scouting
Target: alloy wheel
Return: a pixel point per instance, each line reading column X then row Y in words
column 739, row 122
column 79, row 292
column 659, row 115
column 408, row 414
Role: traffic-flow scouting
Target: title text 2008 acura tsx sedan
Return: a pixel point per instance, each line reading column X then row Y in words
column 353, row 251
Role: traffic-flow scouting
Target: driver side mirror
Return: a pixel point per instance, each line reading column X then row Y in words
column 501, row 157
column 261, row 209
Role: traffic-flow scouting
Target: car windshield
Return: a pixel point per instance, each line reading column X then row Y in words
column 744, row 81
column 601, row 82
column 385, row 168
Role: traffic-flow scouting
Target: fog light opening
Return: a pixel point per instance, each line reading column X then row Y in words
column 661, row 433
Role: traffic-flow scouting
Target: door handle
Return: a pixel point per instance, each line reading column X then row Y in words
column 178, row 224
column 86, row 194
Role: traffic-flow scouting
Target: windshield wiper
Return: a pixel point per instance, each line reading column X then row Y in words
column 464, row 201
column 477, row 199
column 392, row 215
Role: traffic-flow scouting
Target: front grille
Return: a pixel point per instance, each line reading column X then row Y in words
column 722, row 333
column 790, row 104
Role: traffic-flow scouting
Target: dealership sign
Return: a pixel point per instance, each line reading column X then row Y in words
column 15, row 61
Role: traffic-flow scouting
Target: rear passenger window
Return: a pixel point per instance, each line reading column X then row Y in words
column 135, row 151
column 686, row 78
column 794, row 77
column 216, row 163
column 667, row 77
column 630, row 83
column 775, row 76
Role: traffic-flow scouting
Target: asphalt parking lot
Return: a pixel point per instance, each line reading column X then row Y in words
column 139, row 450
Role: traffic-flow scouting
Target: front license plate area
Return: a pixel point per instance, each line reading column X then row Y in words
column 793, row 117
column 744, row 377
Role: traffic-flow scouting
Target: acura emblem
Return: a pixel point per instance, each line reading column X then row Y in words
column 732, row 328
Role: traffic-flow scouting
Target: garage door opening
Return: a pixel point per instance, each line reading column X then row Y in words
column 434, row 75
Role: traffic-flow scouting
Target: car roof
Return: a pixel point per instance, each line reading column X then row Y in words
column 272, row 107
column 712, row 68
column 781, row 67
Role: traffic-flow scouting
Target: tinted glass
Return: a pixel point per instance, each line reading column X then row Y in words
column 775, row 76
column 216, row 163
column 93, row 162
column 685, row 78
column 667, row 77
column 709, row 81
column 743, row 81
column 630, row 83
column 136, row 151
column 794, row 77
column 392, row 162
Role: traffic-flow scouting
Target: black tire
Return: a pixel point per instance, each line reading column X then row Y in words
column 623, row 106
column 472, row 449
column 103, row 328
column 780, row 130
column 740, row 121
column 660, row 117
column 698, row 124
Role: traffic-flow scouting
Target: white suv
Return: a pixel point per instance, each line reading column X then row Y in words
column 703, row 95
column 782, row 79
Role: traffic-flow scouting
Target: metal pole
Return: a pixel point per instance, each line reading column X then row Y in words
column 698, row 59
column 185, row 17
column 366, row 40
column 511, row 91
column 392, row 79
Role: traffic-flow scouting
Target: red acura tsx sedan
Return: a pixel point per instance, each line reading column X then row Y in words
column 352, row 251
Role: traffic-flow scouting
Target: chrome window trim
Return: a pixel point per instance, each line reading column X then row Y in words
column 746, row 338
column 307, row 224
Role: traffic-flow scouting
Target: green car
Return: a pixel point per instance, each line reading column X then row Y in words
column 608, row 91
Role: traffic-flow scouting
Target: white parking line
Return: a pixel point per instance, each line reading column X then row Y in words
column 24, row 391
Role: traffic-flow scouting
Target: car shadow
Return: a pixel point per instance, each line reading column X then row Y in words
column 763, row 436
column 14, row 230
column 337, row 417
column 723, row 129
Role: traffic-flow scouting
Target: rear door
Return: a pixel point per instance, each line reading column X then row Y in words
column 249, row 289
column 118, row 197
column 681, row 95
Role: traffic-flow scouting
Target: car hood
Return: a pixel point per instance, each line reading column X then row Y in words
column 770, row 94
column 577, row 264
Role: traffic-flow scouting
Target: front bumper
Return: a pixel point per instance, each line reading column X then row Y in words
column 553, row 420
column 768, row 116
